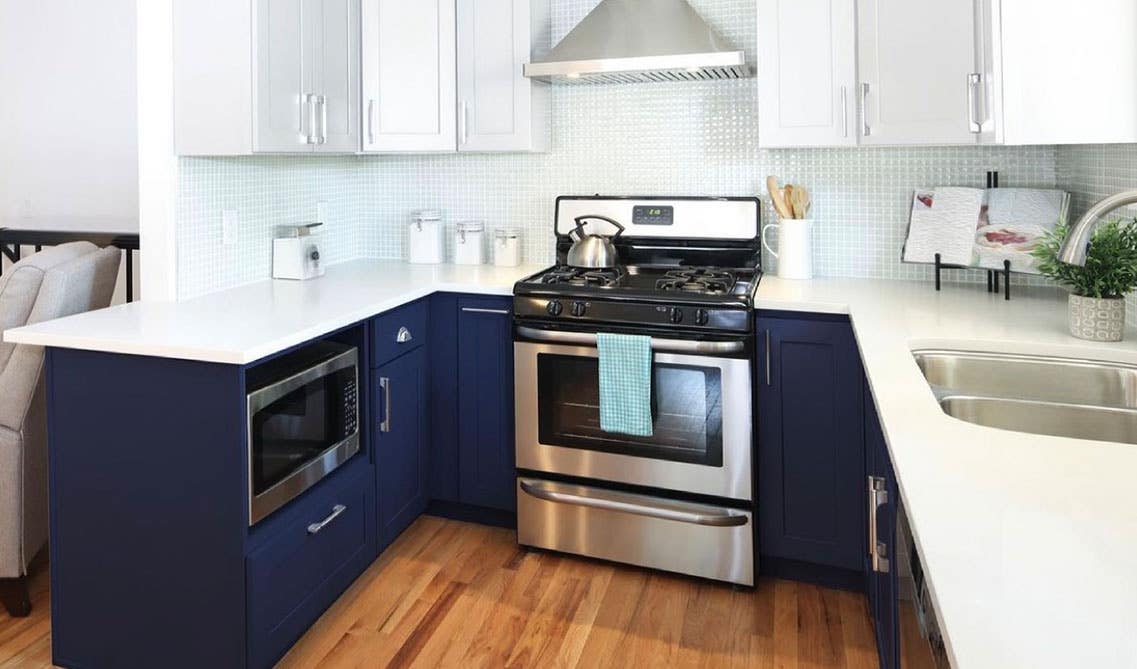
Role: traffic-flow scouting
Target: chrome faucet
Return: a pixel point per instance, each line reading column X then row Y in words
column 1073, row 251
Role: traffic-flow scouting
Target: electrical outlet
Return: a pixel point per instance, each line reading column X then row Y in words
column 228, row 227
column 322, row 211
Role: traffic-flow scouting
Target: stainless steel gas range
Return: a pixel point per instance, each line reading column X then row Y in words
column 680, row 500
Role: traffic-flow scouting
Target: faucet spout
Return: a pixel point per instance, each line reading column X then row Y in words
column 1073, row 251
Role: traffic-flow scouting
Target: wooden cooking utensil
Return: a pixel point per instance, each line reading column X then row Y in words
column 777, row 198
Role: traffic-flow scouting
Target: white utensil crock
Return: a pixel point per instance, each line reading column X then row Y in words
column 795, row 247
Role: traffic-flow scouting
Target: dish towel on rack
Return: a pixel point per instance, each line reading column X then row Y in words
column 625, row 384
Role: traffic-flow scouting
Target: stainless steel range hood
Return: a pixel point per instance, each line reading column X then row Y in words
column 628, row 41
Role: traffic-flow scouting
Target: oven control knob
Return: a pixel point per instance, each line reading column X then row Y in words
column 554, row 308
column 702, row 317
column 578, row 309
column 676, row 315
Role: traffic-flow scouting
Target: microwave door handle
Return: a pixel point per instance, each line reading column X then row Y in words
column 657, row 344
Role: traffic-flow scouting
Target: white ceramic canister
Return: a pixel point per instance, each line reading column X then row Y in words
column 424, row 238
column 795, row 247
column 507, row 247
column 468, row 244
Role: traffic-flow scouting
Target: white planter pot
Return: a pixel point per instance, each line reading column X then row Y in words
column 1097, row 319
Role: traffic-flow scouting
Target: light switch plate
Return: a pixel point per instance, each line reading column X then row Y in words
column 228, row 227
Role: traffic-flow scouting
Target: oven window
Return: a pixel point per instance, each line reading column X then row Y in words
column 298, row 427
column 686, row 411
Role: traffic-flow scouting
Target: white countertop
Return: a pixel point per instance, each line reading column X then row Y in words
column 247, row 323
column 1029, row 542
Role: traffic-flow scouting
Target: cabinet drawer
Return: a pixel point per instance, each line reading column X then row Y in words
column 297, row 574
column 387, row 328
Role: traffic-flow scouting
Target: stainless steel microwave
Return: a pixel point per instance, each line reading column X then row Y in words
column 303, row 422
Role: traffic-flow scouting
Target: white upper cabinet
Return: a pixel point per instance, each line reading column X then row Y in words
column 498, row 108
column 409, row 84
column 807, row 73
column 266, row 76
column 917, row 71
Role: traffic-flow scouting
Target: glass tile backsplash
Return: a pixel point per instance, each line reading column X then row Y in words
column 657, row 139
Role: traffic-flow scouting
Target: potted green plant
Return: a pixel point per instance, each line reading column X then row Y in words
column 1097, row 290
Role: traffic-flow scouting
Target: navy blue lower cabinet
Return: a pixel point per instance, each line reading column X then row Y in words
column 317, row 549
column 811, row 450
column 401, row 429
column 485, row 403
column 881, row 573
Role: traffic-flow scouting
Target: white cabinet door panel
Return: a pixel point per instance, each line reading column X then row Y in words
column 409, row 79
column 915, row 58
column 281, row 111
column 807, row 73
column 498, row 108
column 335, row 62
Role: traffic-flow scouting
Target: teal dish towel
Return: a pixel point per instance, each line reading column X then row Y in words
column 625, row 384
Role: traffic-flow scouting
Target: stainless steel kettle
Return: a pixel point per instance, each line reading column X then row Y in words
column 593, row 251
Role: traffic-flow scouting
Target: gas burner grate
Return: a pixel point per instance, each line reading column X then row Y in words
column 575, row 276
column 706, row 281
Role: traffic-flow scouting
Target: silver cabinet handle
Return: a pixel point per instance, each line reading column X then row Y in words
column 315, row 528
column 371, row 121
column 404, row 336
column 974, row 122
column 474, row 310
column 322, row 101
column 878, row 550
column 385, row 384
column 310, row 100
column 844, row 111
column 769, row 380
column 657, row 344
column 463, row 123
column 866, row 128
column 634, row 504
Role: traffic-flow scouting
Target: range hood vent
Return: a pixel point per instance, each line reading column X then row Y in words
column 634, row 41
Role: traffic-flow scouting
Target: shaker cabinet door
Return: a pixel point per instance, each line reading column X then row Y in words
column 284, row 107
column 916, row 60
column 335, row 61
column 409, row 84
column 811, row 462
column 498, row 108
column 401, row 428
column 807, row 73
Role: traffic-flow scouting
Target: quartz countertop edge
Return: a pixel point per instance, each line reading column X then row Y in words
column 244, row 324
column 1027, row 541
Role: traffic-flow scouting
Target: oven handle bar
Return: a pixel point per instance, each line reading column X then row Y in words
column 693, row 515
column 657, row 344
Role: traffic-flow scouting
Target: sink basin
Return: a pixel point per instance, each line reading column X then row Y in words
column 1064, row 397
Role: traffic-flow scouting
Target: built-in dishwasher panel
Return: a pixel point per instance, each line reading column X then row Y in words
column 695, row 539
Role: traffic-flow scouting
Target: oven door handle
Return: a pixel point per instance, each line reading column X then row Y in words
column 657, row 344
column 694, row 515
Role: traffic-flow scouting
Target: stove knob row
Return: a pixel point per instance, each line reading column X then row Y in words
column 554, row 308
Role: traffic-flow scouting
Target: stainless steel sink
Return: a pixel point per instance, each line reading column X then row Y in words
column 1064, row 397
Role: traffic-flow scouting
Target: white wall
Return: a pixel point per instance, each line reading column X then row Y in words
column 68, row 107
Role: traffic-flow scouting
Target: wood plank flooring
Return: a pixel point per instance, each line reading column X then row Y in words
column 450, row 594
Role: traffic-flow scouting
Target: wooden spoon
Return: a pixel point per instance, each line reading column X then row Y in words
column 800, row 202
column 776, row 197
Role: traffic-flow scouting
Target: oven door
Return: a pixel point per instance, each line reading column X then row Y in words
column 702, row 415
column 300, row 430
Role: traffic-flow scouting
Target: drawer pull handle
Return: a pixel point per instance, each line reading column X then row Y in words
column 474, row 310
column 315, row 528
column 404, row 336
column 598, row 501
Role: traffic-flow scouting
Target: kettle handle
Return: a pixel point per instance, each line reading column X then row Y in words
column 579, row 230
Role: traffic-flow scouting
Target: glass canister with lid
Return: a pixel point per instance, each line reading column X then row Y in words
column 424, row 238
column 469, row 247
column 507, row 247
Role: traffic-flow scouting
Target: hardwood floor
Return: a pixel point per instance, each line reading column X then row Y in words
column 450, row 594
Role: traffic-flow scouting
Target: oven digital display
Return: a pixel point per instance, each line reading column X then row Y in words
column 653, row 215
